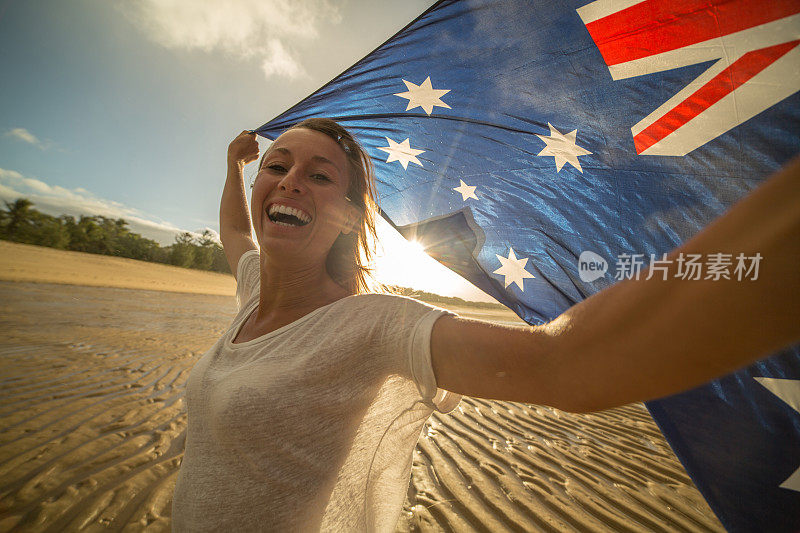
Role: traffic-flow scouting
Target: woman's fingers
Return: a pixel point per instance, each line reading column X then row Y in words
column 244, row 148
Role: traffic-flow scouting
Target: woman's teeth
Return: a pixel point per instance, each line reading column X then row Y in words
column 287, row 216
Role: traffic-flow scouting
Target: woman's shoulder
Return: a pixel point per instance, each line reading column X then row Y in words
column 387, row 307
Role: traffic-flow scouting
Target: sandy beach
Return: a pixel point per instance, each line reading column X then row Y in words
column 93, row 362
column 22, row 262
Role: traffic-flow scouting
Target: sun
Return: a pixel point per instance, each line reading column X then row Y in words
column 405, row 263
column 416, row 247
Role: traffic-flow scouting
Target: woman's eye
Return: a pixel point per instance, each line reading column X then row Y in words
column 279, row 168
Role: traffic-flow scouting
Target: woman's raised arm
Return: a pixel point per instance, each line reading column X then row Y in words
column 235, row 228
column 644, row 339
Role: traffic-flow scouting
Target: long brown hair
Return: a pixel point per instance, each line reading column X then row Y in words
column 351, row 253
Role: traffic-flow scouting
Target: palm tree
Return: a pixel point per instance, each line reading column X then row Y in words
column 19, row 215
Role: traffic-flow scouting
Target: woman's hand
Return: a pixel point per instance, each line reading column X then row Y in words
column 243, row 149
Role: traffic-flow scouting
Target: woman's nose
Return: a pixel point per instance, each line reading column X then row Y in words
column 291, row 182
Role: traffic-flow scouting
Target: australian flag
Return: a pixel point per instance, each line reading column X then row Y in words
column 545, row 150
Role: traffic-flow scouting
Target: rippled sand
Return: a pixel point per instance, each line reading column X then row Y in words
column 92, row 421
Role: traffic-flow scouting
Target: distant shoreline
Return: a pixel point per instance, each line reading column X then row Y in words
column 21, row 224
column 40, row 264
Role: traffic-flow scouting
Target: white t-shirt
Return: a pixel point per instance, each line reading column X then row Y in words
column 312, row 426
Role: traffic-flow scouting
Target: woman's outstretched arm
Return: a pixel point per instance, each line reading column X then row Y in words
column 235, row 228
column 643, row 339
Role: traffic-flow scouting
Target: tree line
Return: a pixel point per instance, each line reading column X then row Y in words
column 20, row 222
column 443, row 301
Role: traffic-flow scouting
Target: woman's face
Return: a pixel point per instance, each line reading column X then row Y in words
column 298, row 202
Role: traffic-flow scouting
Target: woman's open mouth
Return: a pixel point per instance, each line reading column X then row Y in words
column 283, row 215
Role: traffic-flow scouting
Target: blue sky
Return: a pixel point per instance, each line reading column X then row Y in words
column 126, row 108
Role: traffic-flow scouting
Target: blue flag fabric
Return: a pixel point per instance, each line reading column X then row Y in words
column 546, row 150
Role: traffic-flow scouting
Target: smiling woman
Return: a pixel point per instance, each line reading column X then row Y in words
column 305, row 414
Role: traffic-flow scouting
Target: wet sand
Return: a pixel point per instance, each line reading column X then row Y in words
column 92, row 421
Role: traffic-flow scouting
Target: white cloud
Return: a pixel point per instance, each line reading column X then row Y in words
column 21, row 134
column 265, row 30
column 56, row 200
column 280, row 62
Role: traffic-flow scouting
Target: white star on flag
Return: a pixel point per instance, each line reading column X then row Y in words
column 402, row 152
column 467, row 191
column 787, row 390
column 563, row 147
column 513, row 269
column 424, row 96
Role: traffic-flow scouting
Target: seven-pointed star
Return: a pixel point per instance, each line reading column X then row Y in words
column 467, row 191
column 563, row 147
column 513, row 269
column 424, row 96
column 787, row 390
column 401, row 152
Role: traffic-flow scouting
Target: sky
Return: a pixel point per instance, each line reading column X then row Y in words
column 125, row 108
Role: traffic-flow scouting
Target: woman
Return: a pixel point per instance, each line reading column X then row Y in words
column 305, row 413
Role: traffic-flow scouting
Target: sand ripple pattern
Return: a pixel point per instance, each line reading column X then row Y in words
column 92, row 424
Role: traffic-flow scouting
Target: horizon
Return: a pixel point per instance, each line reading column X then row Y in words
column 385, row 257
column 405, row 291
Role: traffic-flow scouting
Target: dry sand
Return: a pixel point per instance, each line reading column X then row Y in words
column 92, row 420
column 22, row 262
